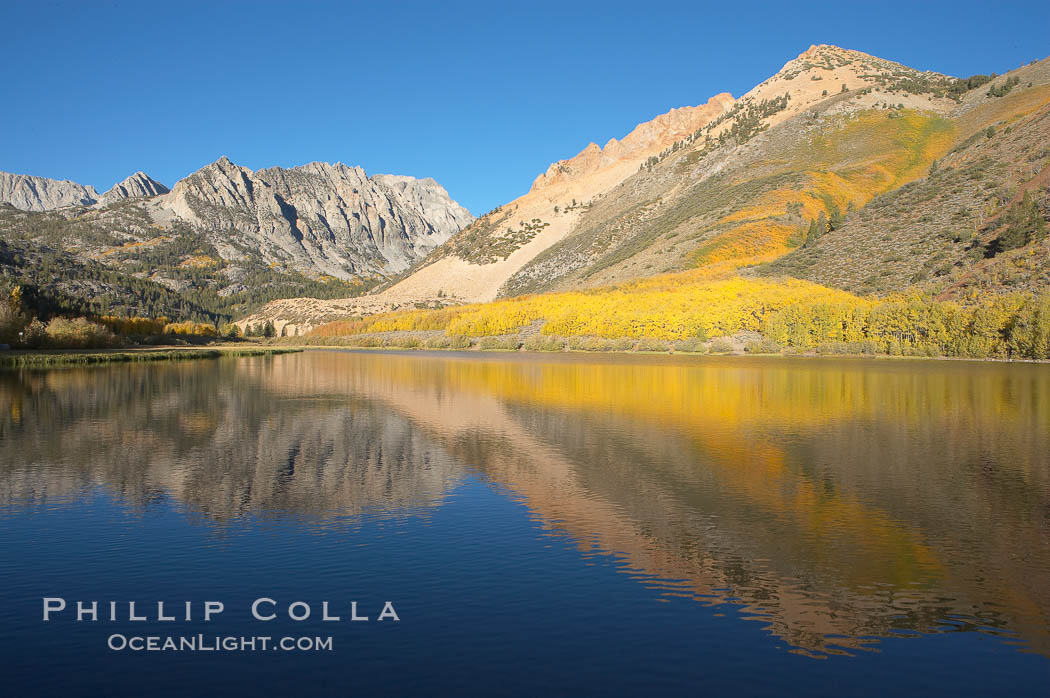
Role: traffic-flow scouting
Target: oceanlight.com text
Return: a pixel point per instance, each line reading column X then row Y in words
column 217, row 643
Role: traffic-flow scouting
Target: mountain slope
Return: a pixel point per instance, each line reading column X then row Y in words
column 821, row 132
column 223, row 240
column 138, row 184
column 331, row 219
column 618, row 220
column 832, row 132
column 41, row 194
column 475, row 263
column 939, row 234
column 114, row 261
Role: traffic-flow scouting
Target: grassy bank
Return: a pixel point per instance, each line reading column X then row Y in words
column 46, row 359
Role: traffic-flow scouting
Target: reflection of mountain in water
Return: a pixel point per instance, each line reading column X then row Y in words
column 837, row 502
column 212, row 436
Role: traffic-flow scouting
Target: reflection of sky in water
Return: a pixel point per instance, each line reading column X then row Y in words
column 845, row 506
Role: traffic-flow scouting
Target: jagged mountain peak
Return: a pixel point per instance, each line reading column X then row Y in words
column 227, row 166
column 224, row 163
column 137, row 185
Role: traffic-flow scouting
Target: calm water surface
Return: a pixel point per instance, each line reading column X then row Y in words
column 557, row 524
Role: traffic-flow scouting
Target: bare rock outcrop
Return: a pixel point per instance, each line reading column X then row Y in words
column 331, row 218
column 137, row 185
column 31, row 193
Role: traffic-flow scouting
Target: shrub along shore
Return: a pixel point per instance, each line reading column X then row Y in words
column 693, row 312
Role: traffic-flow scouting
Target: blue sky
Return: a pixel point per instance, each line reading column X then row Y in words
column 482, row 96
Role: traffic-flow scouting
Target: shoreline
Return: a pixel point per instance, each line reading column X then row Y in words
column 54, row 358
column 58, row 358
column 686, row 354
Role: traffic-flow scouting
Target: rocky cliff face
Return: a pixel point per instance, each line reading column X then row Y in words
column 317, row 218
column 42, row 194
column 138, row 184
column 330, row 218
column 646, row 139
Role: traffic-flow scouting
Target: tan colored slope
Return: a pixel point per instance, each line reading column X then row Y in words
column 583, row 178
column 727, row 195
column 465, row 281
column 646, row 139
column 815, row 76
column 826, row 68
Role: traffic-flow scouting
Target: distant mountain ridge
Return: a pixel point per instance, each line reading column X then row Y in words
column 319, row 217
column 30, row 193
column 137, row 185
column 223, row 238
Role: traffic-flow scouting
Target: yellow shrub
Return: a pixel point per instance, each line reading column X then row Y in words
column 191, row 328
column 134, row 325
column 78, row 333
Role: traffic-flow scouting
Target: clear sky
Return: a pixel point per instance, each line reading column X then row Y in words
column 482, row 96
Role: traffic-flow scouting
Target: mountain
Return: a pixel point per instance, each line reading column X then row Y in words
column 945, row 233
column 30, row 193
column 843, row 177
column 475, row 263
column 837, row 141
column 138, row 184
column 41, row 194
column 330, row 218
column 645, row 140
column 224, row 240
column 818, row 131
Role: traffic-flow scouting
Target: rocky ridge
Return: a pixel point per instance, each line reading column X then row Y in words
column 137, row 185
column 30, row 193
column 330, row 218
column 647, row 137
column 224, row 240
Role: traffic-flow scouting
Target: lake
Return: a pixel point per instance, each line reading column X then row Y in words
column 599, row 524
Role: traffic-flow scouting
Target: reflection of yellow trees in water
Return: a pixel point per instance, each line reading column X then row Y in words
column 836, row 501
column 859, row 485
